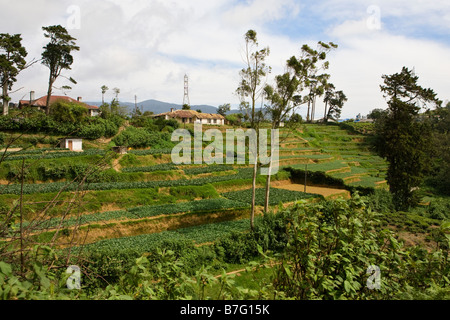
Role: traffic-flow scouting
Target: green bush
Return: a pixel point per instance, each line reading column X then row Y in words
column 142, row 138
column 380, row 201
column 439, row 209
column 336, row 243
column 62, row 111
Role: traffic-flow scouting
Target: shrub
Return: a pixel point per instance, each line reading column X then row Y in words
column 337, row 241
column 62, row 111
column 439, row 209
column 380, row 201
column 142, row 138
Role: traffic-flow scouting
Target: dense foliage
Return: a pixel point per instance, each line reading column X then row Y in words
column 325, row 250
column 403, row 137
column 38, row 122
column 143, row 138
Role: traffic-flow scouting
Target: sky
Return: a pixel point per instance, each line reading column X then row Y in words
column 145, row 47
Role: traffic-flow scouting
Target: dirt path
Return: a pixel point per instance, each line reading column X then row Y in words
column 115, row 163
column 326, row 192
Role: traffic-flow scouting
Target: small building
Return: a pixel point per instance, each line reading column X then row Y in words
column 120, row 149
column 73, row 144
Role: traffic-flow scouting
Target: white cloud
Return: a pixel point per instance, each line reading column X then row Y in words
column 364, row 56
column 145, row 47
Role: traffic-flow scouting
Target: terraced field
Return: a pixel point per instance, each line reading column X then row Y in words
column 147, row 199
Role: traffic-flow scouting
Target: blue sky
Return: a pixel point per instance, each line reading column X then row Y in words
column 145, row 47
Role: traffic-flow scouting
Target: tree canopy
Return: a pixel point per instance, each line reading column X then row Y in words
column 403, row 137
column 57, row 55
column 12, row 61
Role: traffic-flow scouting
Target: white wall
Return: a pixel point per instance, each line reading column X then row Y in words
column 77, row 144
column 205, row 121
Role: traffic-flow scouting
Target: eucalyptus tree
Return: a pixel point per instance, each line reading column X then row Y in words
column 250, row 90
column 116, row 92
column 312, row 79
column 223, row 109
column 12, row 62
column 57, row 55
column 282, row 99
column 329, row 91
column 104, row 88
column 336, row 104
column 286, row 95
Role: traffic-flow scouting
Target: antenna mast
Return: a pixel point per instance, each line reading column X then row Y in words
column 186, row 91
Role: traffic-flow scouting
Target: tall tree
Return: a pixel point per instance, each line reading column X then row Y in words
column 375, row 114
column 403, row 138
column 282, row 101
column 300, row 73
column 223, row 109
column 329, row 91
column 336, row 104
column 252, row 75
column 440, row 177
column 116, row 92
column 251, row 88
column 104, row 89
column 57, row 55
column 313, row 80
column 12, row 61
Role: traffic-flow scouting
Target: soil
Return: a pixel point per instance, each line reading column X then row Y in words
column 326, row 192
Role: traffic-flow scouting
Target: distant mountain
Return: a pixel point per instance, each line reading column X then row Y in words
column 157, row 107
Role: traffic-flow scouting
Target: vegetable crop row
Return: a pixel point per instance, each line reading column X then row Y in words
column 276, row 196
column 206, row 205
column 242, row 173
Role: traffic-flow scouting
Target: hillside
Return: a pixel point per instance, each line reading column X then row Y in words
column 134, row 203
column 335, row 160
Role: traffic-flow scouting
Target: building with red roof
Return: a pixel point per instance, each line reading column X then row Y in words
column 42, row 101
column 192, row 116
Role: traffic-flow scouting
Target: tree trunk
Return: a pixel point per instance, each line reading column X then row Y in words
column 313, row 109
column 307, row 114
column 49, row 94
column 325, row 113
column 5, row 100
column 252, row 214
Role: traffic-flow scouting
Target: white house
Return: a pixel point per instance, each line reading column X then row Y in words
column 73, row 144
column 192, row 116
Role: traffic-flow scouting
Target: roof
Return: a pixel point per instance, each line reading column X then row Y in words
column 190, row 114
column 42, row 101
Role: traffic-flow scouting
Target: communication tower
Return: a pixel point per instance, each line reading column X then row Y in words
column 186, row 91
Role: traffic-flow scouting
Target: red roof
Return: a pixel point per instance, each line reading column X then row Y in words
column 190, row 114
column 42, row 101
